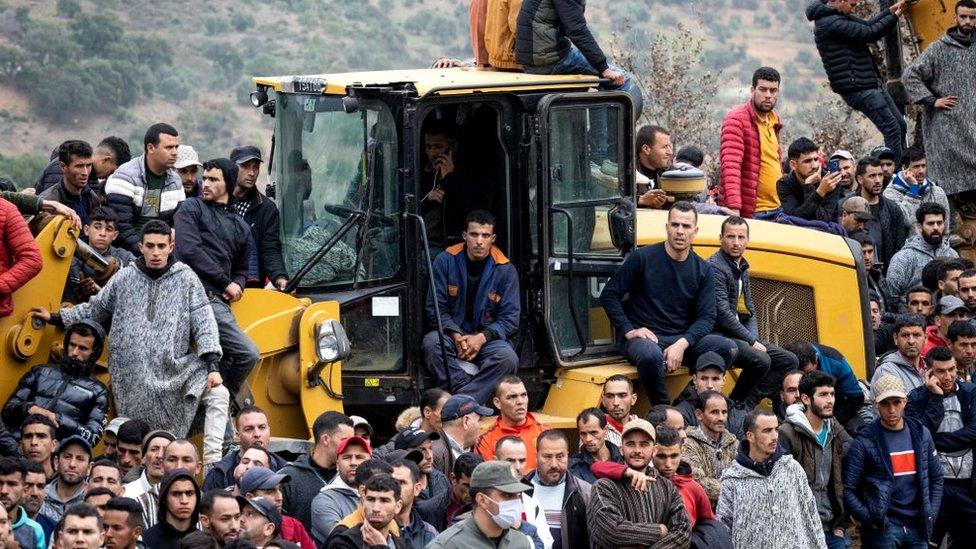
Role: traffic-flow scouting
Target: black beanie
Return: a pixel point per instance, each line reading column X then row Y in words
column 228, row 168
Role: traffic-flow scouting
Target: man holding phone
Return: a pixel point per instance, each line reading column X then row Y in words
column 809, row 192
column 450, row 196
column 911, row 187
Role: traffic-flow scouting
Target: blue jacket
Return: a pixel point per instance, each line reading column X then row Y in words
column 830, row 361
column 868, row 480
column 928, row 409
column 579, row 465
column 497, row 306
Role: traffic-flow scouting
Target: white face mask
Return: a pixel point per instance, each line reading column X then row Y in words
column 509, row 513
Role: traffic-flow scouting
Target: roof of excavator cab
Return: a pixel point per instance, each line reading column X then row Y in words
column 453, row 81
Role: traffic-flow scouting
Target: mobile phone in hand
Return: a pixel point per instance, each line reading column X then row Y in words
column 833, row 165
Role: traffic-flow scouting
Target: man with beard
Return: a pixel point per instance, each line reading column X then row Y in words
column 886, row 158
column 906, row 363
column 620, row 515
column 947, row 97
column 265, row 483
column 65, row 393
column 708, row 375
column 808, row 192
column 105, row 473
column 617, row 399
column 380, row 503
column 260, row 214
column 260, row 520
column 845, row 163
column 667, row 461
column 169, row 371
column 962, row 343
column 749, row 151
column 433, row 498
column 414, row 530
column 710, row 447
column 950, row 309
column 762, row 363
column 129, row 453
column 947, row 407
column 461, row 419
column 854, row 215
column 26, row 532
column 35, row 483
column 966, row 289
column 340, row 497
column 818, row 443
column 906, row 266
column 562, row 496
column 887, row 224
column 71, row 461
column 670, row 312
column 37, row 442
column 764, row 477
column 220, row 516
column 123, row 523
column 179, row 498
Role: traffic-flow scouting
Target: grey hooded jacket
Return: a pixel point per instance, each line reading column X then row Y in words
column 906, row 266
column 896, row 364
column 336, row 500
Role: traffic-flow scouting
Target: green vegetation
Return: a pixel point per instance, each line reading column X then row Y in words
column 86, row 68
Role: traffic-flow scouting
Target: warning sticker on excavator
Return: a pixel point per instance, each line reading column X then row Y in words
column 371, row 382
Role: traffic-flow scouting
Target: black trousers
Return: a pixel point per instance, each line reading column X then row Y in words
column 957, row 514
column 762, row 373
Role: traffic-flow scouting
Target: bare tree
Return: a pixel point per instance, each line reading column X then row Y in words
column 679, row 93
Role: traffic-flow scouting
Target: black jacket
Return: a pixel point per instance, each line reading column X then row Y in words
column 213, row 240
column 432, row 506
column 353, row 539
column 162, row 535
column 51, row 176
column 573, row 529
column 79, row 401
column 802, row 201
column 546, row 30
column 929, row 409
column 306, row 481
column 727, row 277
column 222, row 473
column 842, row 41
column 894, row 232
column 82, row 204
column 262, row 218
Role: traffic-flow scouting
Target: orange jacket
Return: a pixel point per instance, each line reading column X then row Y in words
column 500, row 33
column 528, row 432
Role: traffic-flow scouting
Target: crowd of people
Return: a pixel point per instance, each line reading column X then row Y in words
column 891, row 455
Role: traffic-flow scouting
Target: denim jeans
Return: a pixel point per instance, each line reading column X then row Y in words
column 894, row 537
column 240, row 354
column 768, row 214
column 216, row 404
column 648, row 357
column 881, row 110
column 574, row 62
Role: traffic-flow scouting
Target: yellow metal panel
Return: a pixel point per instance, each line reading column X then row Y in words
column 930, row 19
column 327, row 396
column 465, row 79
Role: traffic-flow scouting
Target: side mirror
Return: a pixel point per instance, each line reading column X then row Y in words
column 621, row 221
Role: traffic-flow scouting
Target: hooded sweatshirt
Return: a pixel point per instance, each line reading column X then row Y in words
column 163, row 535
column 901, row 193
column 692, row 494
column 769, row 504
column 906, row 266
column 336, row 500
column 898, row 365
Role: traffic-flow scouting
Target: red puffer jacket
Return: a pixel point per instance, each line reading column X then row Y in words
column 20, row 259
column 740, row 158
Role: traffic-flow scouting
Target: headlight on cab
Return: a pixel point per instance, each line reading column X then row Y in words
column 331, row 343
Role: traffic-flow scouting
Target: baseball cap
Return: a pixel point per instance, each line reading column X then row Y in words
column 462, row 405
column 888, row 386
column 74, row 439
column 360, row 421
column 711, row 359
column 881, row 151
column 639, row 425
column 497, row 475
column 354, row 440
column 113, row 426
column 411, row 437
column 265, row 507
column 241, row 155
column 415, row 456
column 186, row 156
column 261, row 478
column 950, row 303
column 858, row 207
column 841, row 153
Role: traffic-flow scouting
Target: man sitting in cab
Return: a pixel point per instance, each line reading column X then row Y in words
column 477, row 294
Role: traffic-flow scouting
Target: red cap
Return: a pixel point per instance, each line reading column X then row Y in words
column 354, row 440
